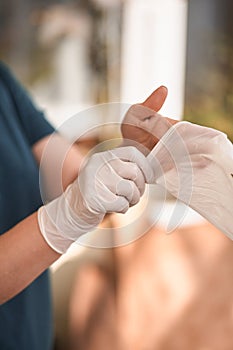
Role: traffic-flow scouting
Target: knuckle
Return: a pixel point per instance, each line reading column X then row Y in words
column 134, row 150
column 120, row 171
column 135, row 171
column 111, row 155
column 131, row 149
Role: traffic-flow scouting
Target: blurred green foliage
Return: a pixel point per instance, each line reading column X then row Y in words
column 209, row 85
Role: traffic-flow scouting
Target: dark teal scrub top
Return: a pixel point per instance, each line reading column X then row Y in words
column 25, row 320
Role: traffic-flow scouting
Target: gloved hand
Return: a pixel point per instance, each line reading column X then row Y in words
column 110, row 181
column 195, row 164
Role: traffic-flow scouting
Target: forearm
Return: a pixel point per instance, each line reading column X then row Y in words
column 24, row 255
column 59, row 164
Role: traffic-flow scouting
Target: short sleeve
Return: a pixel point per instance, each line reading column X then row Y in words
column 32, row 119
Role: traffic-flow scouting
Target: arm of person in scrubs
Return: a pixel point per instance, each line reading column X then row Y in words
column 110, row 181
column 24, row 253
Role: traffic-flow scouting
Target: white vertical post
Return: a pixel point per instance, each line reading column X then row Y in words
column 72, row 72
column 154, row 51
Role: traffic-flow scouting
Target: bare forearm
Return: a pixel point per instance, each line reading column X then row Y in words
column 59, row 164
column 24, row 255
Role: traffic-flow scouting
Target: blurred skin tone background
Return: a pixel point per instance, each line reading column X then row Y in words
column 165, row 292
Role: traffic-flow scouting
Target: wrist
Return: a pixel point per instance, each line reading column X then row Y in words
column 66, row 218
column 51, row 233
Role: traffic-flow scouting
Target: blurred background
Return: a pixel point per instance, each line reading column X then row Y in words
column 160, row 292
column 79, row 53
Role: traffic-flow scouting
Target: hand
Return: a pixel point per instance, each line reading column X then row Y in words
column 110, row 181
column 195, row 164
column 143, row 126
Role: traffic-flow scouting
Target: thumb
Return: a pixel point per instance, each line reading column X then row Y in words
column 156, row 100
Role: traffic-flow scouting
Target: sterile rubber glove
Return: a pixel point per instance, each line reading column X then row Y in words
column 195, row 164
column 110, row 181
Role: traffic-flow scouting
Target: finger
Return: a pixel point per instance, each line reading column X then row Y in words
column 113, row 184
column 130, row 171
column 105, row 194
column 117, row 205
column 156, row 100
column 129, row 190
column 132, row 154
column 116, row 185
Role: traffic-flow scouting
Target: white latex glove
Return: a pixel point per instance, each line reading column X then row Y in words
column 110, row 181
column 195, row 164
